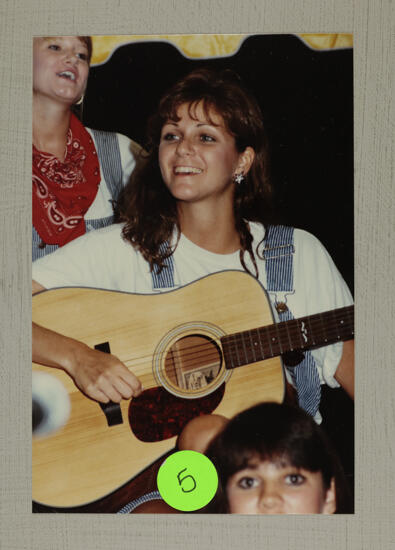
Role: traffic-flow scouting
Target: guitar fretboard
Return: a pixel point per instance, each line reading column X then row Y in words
column 309, row 332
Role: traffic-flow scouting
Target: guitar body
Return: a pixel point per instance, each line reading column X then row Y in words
column 155, row 336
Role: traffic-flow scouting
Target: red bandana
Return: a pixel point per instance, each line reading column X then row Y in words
column 63, row 191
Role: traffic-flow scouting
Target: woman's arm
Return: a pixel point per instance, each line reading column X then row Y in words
column 99, row 375
column 345, row 370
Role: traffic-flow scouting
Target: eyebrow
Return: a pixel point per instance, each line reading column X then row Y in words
column 278, row 464
column 49, row 38
column 249, row 467
column 198, row 125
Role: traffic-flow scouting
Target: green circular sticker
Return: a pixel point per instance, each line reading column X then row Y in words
column 187, row 480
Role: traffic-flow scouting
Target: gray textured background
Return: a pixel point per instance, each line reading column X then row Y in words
column 372, row 22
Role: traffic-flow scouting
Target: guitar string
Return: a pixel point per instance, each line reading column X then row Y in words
column 193, row 353
column 278, row 332
column 191, row 356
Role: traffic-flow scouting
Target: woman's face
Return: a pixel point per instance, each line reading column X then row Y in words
column 270, row 488
column 198, row 157
column 60, row 67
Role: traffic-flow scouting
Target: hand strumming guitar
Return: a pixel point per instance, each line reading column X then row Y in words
column 100, row 376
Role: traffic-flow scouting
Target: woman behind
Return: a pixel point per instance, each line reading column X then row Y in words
column 77, row 172
column 274, row 459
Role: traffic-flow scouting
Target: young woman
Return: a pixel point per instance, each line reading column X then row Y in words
column 274, row 459
column 200, row 204
column 77, row 172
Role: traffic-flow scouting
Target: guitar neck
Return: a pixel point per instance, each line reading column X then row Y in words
column 309, row 332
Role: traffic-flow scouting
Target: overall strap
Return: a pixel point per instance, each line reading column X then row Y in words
column 278, row 254
column 164, row 278
column 110, row 160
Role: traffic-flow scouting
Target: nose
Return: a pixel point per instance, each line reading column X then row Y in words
column 184, row 147
column 270, row 500
column 71, row 58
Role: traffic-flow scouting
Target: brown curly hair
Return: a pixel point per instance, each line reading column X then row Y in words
column 147, row 207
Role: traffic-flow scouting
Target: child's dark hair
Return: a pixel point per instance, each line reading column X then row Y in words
column 281, row 434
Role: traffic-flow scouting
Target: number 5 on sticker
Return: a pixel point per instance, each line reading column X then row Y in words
column 180, row 481
column 187, row 480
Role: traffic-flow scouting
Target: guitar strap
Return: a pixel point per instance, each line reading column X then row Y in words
column 278, row 253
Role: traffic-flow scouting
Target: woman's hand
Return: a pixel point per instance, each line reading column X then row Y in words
column 98, row 375
column 102, row 376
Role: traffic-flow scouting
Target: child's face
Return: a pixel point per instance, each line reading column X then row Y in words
column 270, row 488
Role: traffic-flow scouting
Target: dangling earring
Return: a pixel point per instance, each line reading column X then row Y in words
column 238, row 178
column 79, row 102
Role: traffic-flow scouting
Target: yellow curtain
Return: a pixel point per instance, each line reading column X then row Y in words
column 208, row 45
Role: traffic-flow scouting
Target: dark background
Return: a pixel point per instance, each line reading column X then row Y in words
column 306, row 97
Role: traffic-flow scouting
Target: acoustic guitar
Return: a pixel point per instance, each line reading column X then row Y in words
column 210, row 346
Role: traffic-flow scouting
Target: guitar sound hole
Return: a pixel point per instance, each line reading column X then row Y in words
column 193, row 363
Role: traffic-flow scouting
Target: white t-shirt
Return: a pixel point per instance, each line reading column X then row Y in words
column 102, row 259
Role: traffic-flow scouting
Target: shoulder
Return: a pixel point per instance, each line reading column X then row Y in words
column 104, row 238
column 109, row 232
column 306, row 238
column 126, row 145
column 277, row 233
column 307, row 244
column 301, row 237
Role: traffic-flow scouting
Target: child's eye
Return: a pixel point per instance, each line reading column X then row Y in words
column 83, row 56
column 247, row 482
column 54, row 47
column 206, row 138
column 295, row 479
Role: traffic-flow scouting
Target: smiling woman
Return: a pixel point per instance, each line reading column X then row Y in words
column 199, row 159
column 60, row 67
column 71, row 192
column 207, row 121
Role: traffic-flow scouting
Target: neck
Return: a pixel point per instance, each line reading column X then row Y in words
column 51, row 123
column 210, row 228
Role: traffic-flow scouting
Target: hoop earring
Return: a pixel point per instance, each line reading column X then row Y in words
column 80, row 101
column 238, row 178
